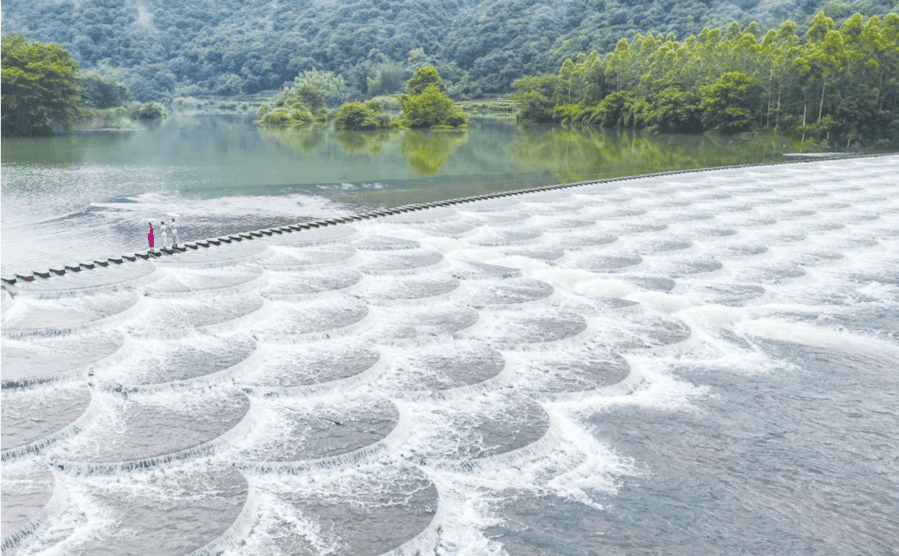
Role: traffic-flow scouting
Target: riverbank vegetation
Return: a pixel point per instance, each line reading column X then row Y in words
column 424, row 105
column 833, row 84
column 180, row 48
column 666, row 65
column 39, row 88
column 44, row 93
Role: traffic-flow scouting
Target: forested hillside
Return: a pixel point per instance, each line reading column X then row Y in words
column 162, row 49
column 830, row 84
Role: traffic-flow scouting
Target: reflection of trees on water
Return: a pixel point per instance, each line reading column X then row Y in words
column 64, row 150
column 553, row 153
column 577, row 154
column 364, row 142
column 303, row 141
column 427, row 150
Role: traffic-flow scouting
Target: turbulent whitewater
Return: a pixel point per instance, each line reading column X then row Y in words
column 691, row 363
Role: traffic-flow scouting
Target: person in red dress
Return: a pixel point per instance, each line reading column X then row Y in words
column 150, row 235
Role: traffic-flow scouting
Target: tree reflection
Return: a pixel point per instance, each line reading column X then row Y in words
column 524, row 155
column 576, row 154
column 364, row 142
column 304, row 141
column 427, row 150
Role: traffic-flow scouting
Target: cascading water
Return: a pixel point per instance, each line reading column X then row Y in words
column 693, row 363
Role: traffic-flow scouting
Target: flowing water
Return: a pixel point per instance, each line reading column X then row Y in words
column 91, row 195
column 701, row 363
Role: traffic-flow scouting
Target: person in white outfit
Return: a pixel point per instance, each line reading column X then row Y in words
column 165, row 239
column 175, row 240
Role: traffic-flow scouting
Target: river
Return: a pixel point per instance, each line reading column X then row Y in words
column 696, row 363
column 90, row 195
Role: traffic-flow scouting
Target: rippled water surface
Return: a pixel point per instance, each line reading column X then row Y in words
column 71, row 199
column 700, row 363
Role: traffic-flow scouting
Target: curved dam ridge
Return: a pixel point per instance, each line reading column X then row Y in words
column 429, row 378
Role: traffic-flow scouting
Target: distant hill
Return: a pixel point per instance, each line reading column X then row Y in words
column 162, row 49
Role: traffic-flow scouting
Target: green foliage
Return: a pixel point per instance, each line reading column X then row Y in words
column 288, row 108
column 828, row 83
column 426, row 103
column 98, row 91
column 148, row 111
column 39, row 90
column 613, row 109
column 673, row 110
column 423, row 78
column 230, row 47
column 730, row 103
column 320, row 88
column 534, row 97
column 430, row 109
column 311, row 97
column 356, row 115
column 428, row 150
column 387, row 79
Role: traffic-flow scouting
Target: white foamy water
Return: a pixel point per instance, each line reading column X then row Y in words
column 688, row 364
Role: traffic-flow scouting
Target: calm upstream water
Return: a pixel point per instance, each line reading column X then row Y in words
column 91, row 195
column 701, row 363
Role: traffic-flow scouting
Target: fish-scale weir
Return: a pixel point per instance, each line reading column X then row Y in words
column 387, row 382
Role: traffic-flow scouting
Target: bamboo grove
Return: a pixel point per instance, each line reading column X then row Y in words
column 832, row 84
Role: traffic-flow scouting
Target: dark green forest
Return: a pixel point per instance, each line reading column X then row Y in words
column 161, row 50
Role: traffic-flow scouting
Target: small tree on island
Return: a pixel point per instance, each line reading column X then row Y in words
column 425, row 103
column 355, row 115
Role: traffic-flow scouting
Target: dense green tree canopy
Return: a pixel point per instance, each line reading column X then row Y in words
column 174, row 47
column 423, row 78
column 828, row 82
column 98, row 91
column 288, row 108
column 356, row 115
column 426, row 103
column 39, row 90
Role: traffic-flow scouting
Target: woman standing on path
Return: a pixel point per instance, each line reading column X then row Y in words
column 150, row 234
column 174, row 234
column 165, row 240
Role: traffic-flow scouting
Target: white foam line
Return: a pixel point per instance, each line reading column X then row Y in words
column 241, row 429
column 505, row 460
column 124, row 285
column 220, row 263
column 429, row 536
column 324, row 295
column 236, row 322
column 58, row 501
column 439, row 265
column 338, row 332
column 72, row 375
column 41, row 444
column 501, row 380
column 584, row 282
column 358, row 380
column 211, row 379
column 805, row 334
column 372, row 453
column 238, row 531
column 625, row 387
column 572, row 341
column 309, row 266
column 257, row 282
column 102, row 321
